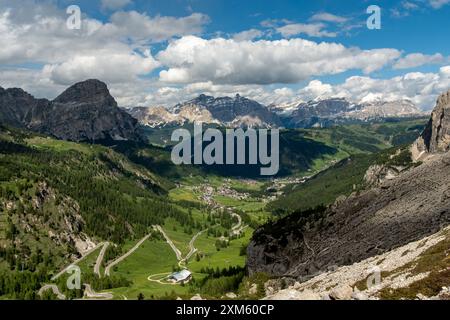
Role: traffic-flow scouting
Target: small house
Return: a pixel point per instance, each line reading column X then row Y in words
column 180, row 276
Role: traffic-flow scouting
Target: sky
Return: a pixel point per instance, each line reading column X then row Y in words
column 155, row 52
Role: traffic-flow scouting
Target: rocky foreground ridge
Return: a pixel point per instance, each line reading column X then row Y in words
column 418, row 270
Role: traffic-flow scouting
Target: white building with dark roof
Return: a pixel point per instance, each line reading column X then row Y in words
column 181, row 276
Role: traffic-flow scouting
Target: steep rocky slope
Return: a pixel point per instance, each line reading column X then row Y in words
column 397, row 211
column 41, row 222
column 319, row 113
column 418, row 270
column 84, row 112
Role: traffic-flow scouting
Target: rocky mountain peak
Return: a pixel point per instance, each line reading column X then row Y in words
column 84, row 112
column 436, row 136
column 17, row 93
column 228, row 110
column 15, row 104
column 89, row 91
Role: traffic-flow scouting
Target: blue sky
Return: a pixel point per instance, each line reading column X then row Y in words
column 422, row 29
column 159, row 52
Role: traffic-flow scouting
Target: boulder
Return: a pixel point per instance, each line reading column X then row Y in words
column 342, row 292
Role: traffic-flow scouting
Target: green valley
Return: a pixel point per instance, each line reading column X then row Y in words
column 135, row 219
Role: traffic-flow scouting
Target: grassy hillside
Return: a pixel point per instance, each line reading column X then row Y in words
column 341, row 179
column 105, row 184
column 359, row 147
column 54, row 194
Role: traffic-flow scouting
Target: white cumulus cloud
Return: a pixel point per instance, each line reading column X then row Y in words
column 309, row 29
column 328, row 17
column 226, row 61
column 248, row 35
column 114, row 51
column 115, row 67
column 421, row 88
column 140, row 26
column 418, row 59
column 437, row 4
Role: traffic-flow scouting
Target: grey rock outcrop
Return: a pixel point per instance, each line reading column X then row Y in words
column 436, row 136
column 377, row 174
column 84, row 112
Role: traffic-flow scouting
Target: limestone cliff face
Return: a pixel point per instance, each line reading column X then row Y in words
column 436, row 136
column 84, row 112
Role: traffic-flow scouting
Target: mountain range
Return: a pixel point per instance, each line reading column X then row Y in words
column 234, row 112
column 243, row 112
column 87, row 112
column 332, row 111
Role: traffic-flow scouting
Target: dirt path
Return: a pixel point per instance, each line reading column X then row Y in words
column 55, row 290
column 98, row 263
column 159, row 280
column 236, row 228
column 182, row 261
column 112, row 264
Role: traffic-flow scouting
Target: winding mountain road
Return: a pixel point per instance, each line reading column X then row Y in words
column 55, row 290
column 171, row 244
column 178, row 254
column 91, row 294
column 113, row 263
column 59, row 274
column 98, row 263
column 192, row 249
